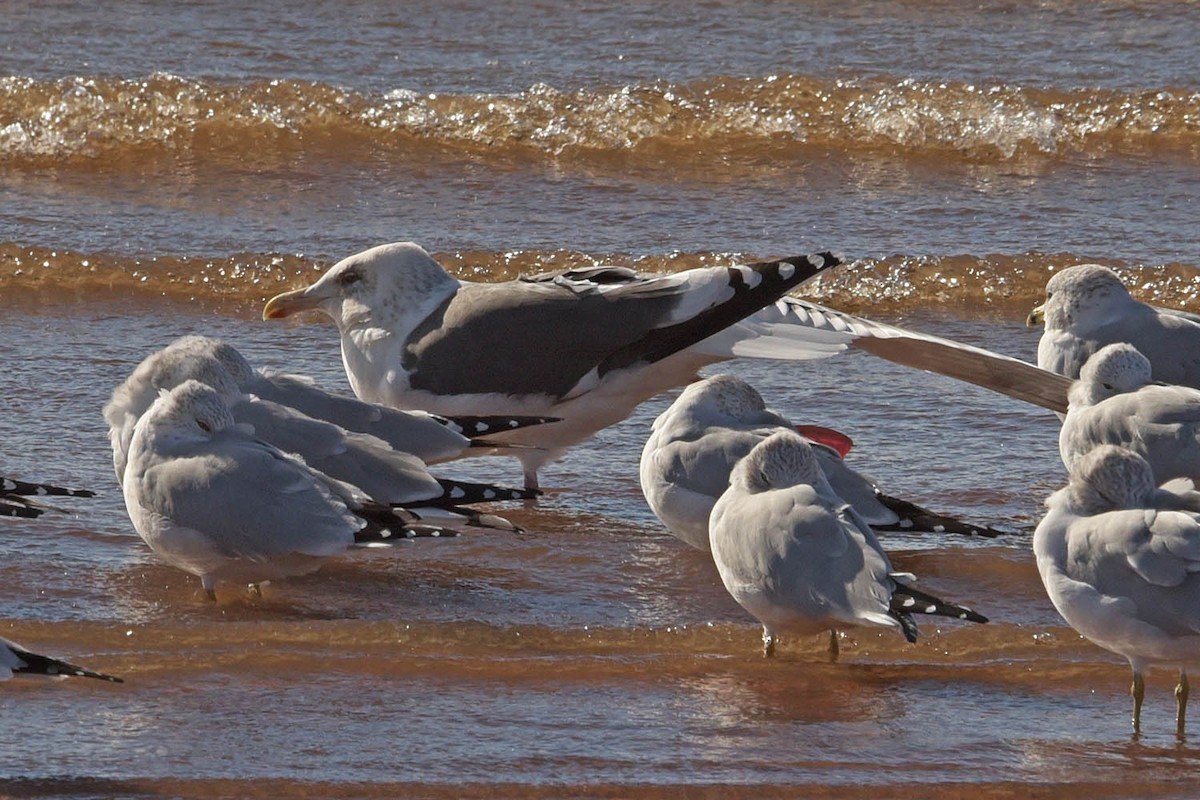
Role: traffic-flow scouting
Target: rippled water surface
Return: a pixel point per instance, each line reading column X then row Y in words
column 165, row 169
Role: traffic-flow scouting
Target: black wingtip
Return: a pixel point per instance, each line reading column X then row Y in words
column 465, row 492
column 481, row 426
column 27, row 489
column 908, row 626
column 770, row 281
column 907, row 600
column 914, row 517
column 16, row 507
column 36, row 664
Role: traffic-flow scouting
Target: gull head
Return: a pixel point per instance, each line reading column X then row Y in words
column 189, row 357
column 783, row 459
column 1114, row 369
column 375, row 287
column 1111, row 478
column 728, row 398
column 1080, row 299
column 192, row 411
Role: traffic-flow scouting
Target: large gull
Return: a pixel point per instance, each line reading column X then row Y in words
column 695, row 443
column 586, row 346
column 383, row 473
column 590, row 344
column 800, row 559
column 214, row 501
column 18, row 498
column 16, row 660
column 1120, row 560
column 1087, row 307
column 1116, row 402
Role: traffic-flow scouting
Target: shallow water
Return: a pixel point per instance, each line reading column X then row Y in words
column 164, row 170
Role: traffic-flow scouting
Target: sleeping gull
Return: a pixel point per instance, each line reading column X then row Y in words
column 383, row 473
column 212, row 500
column 586, row 346
column 1120, row 561
column 1087, row 306
column 429, row 437
column 17, row 497
column 694, row 445
column 16, row 660
column 1115, row 402
column 801, row 560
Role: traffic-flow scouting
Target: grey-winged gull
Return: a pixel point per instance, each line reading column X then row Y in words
column 19, row 498
column 1120, row 560
column 1115, row 402
column 1087, row 307
column 438, row 343
column 585, row 346
column 214, row 501
column 386, row 475
column 800, row 559
column 695, row 443
column 16, row 660
column 431, row 438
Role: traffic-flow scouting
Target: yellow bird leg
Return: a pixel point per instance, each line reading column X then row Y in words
column 1138, row 692
column 1181, row 698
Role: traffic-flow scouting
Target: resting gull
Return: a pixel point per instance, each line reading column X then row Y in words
column 17, row 498
column 214, row 501
column 1087, row 306
column 429, row 437
column 386, row 475
column 800, row 559
column 1120, row 560
column 694, row 445
column 1115, row 402
column 16, row 660
column 586, row 346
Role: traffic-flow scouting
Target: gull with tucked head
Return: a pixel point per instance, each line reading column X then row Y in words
column 1087, row 307
column 214, row 501
column 1115, row 402
column 385, row 474
column 800, row 560
column 1120, row 560
column 694, row 445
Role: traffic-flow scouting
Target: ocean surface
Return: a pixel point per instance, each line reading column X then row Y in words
column 165, row 168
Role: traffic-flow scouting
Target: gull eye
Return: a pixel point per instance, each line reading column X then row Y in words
column 204, row 426
column 1108, row 386
column 764, row 477
column 350, row 277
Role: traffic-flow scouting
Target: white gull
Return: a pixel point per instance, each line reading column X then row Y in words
column 385, row 474
column 1087, row 307
column 1116, row 402
column 214, row 501
column 1120, row 560
column 695, row 443
column 800, row 559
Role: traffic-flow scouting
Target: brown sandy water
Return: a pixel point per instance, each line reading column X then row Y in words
column 163, row 170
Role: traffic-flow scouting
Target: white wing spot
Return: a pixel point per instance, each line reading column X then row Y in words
column 786, row 269
column 481, row 426
column 908, row 602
